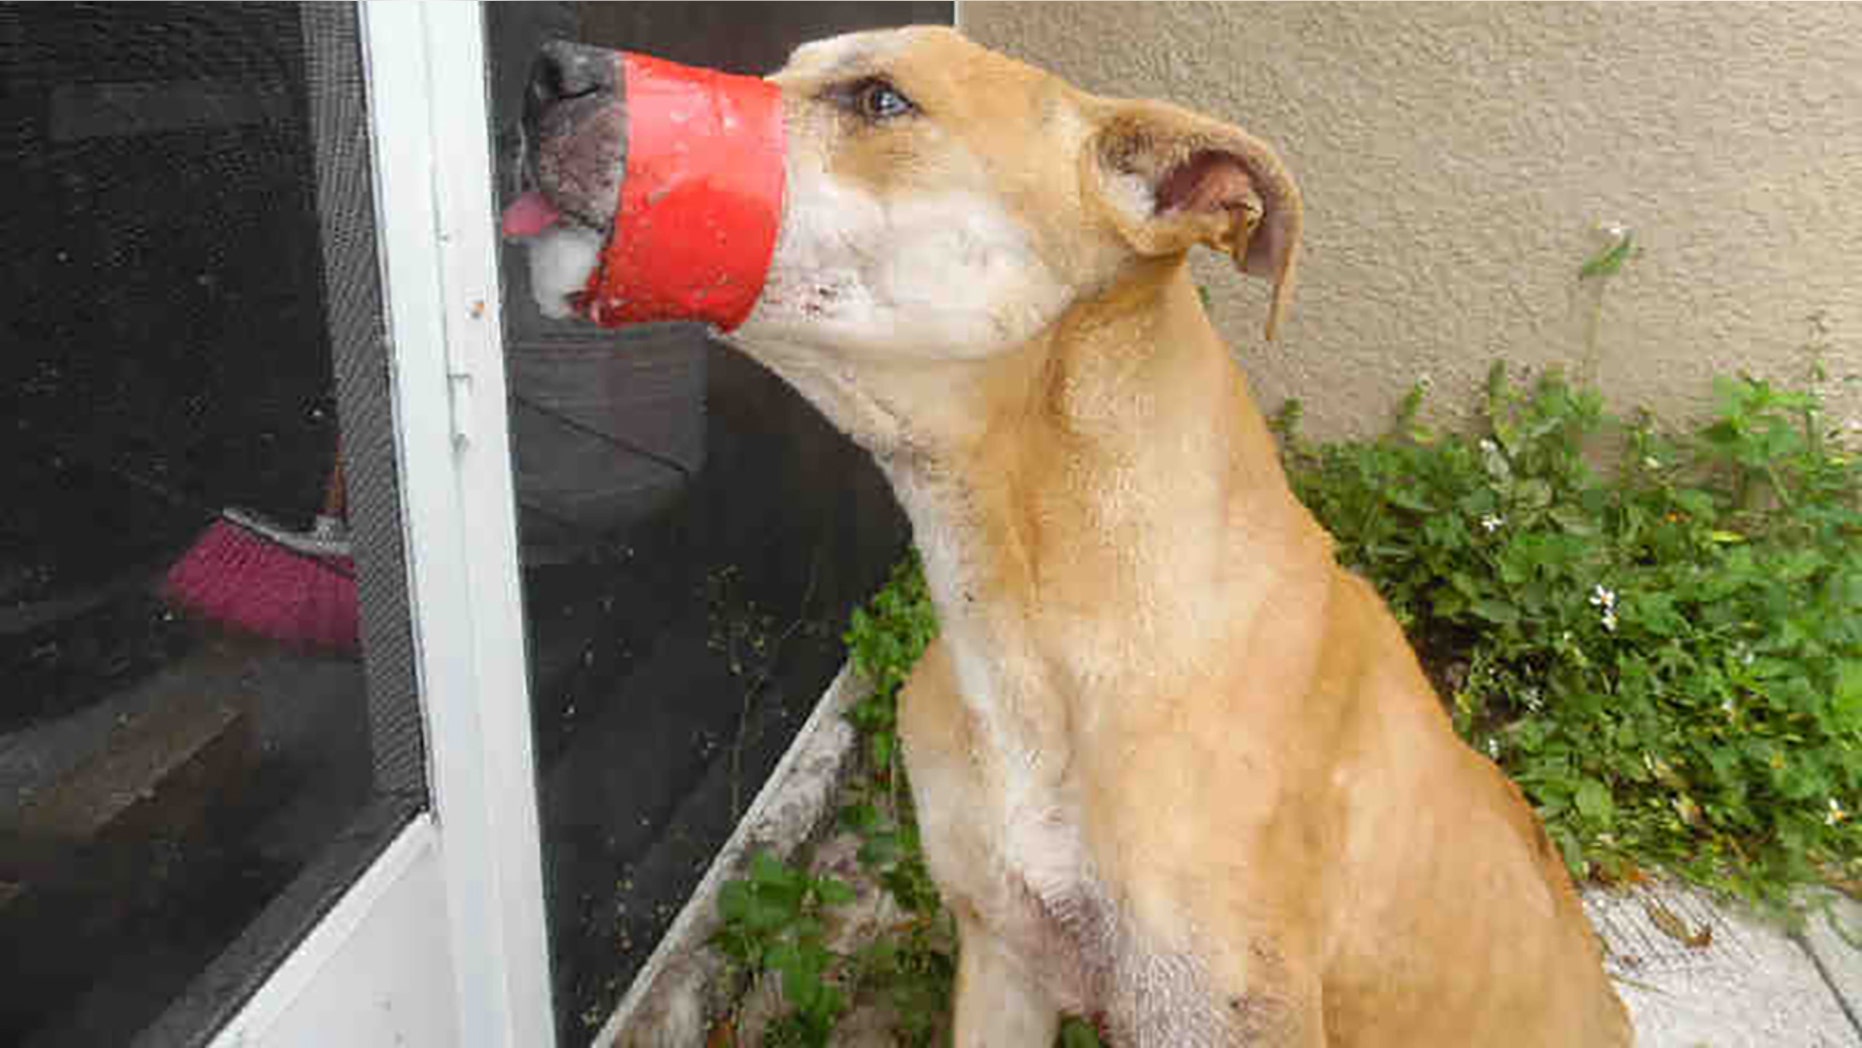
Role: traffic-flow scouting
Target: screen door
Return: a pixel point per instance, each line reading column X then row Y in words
column 208, row 716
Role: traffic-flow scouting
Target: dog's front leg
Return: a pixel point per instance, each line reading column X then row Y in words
column 999, row 1004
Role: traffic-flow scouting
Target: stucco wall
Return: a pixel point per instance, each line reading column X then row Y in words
column 1458, row 160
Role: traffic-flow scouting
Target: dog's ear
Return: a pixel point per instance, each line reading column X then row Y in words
column 1169, row 180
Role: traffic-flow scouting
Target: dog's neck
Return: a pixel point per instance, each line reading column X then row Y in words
column 1093, row 508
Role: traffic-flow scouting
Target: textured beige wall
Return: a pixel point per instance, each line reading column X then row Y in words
column 1458, row 160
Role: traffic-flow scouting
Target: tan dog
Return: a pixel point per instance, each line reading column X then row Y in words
column 1175, row 768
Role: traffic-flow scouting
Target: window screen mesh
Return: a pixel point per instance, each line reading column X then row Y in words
column 193, row 324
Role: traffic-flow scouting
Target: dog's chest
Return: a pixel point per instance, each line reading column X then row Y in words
column 1045, row 900
column 1016, row 814
column 1004, row 816
column 1002, row 809
column 1070, row 930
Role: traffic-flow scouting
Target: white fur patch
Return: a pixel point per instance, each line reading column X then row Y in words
column 950, row 276
column 561, row 261
column 1132, row 195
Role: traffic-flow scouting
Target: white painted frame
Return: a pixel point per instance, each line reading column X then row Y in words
column 436, row 226
column 376, row 970
column 426, row 68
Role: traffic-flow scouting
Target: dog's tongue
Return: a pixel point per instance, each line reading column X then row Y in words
column 529, row 215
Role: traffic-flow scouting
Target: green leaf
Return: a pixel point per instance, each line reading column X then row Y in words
column 764, row 913
column 1847, row 700
column 767, row 870
column 1449, row 606
column 734, row 900
column 835, row 892
column 1077, row 1033
column 1495, row 611
column 1533, row 493
column 859, row 816
column 1609, row 261
column 1573, row 520
column 881, row 849
column 1594, row 802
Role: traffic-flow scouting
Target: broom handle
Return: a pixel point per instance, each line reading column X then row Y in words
column 335, row 492
column 328, row 535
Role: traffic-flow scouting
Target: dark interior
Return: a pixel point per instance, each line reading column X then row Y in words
column 177, row 802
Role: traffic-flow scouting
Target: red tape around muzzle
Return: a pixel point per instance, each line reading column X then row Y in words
column 702, row 201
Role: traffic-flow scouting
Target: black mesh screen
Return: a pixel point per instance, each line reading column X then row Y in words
column 193, row 304
column 695, row 538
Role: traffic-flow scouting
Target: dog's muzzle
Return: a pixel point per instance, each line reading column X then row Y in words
column 681, row 168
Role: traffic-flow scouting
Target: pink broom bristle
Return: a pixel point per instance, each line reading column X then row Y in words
column 252, row 579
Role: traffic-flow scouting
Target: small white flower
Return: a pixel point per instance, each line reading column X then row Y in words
column 1603, row 597
column 1492, row 522
column 1836, row 813
column 1534, row 700
column 1493, row 750
column 1488, row 446
column 1726, row 706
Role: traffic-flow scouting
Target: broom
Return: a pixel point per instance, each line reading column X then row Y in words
column 255, row 576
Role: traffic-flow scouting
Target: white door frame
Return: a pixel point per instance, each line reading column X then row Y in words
column 436, row 220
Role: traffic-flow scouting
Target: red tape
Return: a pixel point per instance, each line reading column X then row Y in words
column 702, row 201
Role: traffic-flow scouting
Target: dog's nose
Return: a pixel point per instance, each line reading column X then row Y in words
column 569, row 70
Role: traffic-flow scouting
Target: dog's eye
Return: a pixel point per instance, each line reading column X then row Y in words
column 877, row 100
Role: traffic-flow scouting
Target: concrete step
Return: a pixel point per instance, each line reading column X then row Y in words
column 1832, row 935
column 1696, row 972
column 144, row 764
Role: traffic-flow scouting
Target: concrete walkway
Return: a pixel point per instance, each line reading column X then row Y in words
column 1695, row 973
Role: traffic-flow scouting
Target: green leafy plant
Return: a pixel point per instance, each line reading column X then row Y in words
column 885, row 641
column 772, row 922
column 1667, row 656
column 914, row 967
column 771, row 919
